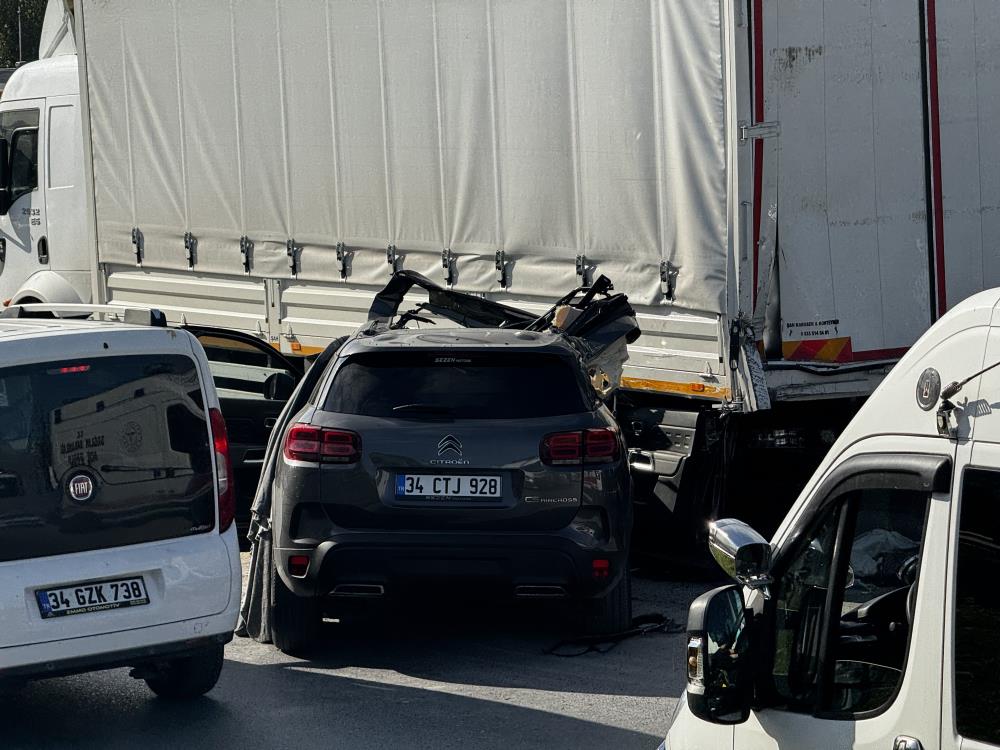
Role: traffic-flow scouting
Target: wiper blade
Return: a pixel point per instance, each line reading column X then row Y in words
column 422, row 409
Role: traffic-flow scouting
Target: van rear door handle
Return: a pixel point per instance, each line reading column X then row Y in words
column 906, row 743
column 269, row 423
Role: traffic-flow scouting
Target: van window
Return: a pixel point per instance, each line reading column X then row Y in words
column 977, row 608
column 102, row 452
column 857, row 574
column 240, row 369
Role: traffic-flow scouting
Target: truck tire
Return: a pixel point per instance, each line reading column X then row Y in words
column 295, row 620
column 188, row 677
column 613, row 613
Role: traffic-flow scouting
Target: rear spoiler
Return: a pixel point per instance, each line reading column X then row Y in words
column 596, row 322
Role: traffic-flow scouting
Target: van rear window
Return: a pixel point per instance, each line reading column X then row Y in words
column 102, row 452
column 459, row 386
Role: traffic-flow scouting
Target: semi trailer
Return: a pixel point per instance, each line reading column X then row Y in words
column 789, row 193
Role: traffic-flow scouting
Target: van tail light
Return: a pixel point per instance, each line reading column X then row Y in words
column 575, row 448
column 306, row 443
column 223, row 470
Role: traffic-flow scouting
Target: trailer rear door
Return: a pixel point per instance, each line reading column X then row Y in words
column 848, row 83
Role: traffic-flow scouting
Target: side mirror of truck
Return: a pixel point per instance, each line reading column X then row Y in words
column 719, row 657
column 4, row 176
column 741, row 552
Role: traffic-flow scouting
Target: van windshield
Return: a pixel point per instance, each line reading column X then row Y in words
column 102, row 452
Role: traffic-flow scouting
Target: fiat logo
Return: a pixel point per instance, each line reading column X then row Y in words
column 81, row 488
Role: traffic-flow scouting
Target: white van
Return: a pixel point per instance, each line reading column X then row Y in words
column 872, row 618
column 117, row 542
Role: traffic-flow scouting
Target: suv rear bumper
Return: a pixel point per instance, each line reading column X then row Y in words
column 467, row 563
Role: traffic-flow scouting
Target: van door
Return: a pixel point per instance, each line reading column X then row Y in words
column 854, row 624
column 246, row 372
column 22, row 229
column 971, row 690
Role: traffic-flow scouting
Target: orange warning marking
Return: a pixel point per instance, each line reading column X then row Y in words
column 837, row 350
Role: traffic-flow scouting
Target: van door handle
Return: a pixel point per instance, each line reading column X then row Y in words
column 269, row 423
column 906, row 743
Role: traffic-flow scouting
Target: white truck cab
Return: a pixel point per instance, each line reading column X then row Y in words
column 870, row 621
column 43, row 229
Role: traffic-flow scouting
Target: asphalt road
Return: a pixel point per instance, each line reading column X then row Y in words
column 444, row 678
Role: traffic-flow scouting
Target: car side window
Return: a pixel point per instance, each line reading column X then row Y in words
column 239, row 368
column 977, row 609
column 844, row 604
column 20, row 129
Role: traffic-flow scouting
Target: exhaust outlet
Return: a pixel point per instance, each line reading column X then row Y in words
column 540, row 592
column 359, row 589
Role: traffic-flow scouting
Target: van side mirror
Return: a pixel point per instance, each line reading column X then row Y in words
column 719, row 657
column 4, row 176
column 741, row 552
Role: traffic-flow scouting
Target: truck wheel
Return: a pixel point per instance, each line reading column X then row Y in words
column 188, row 677
column 295, row 620
column 613, row 613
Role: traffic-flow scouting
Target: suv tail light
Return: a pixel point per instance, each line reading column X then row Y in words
column 600, row 446
column 223, row 470
column 575, row 448
column 306, row 443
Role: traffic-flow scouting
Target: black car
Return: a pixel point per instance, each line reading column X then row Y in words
column 447, row 462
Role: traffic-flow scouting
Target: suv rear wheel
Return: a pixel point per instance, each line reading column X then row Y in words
column 613, row 613
column 295, row 620
column 189, row 676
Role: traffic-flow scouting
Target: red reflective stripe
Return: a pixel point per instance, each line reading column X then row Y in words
column 875, row 354
column 937, row 192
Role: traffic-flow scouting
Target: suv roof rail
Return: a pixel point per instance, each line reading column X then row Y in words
column 140, row 316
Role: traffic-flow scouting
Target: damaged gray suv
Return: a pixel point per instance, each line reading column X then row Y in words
column 477, row 459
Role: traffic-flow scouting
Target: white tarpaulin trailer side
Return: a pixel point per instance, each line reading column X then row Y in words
column 548, row 130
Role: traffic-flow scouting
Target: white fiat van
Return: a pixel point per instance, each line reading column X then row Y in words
column 117, row 542
column 872, row 619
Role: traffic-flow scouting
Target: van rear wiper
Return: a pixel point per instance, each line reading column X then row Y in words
column 422, row 409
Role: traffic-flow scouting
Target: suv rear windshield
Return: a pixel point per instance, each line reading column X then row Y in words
column 102, row 452
column 460, row 386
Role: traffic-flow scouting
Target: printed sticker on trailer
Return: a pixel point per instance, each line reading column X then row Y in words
column 816, row 341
